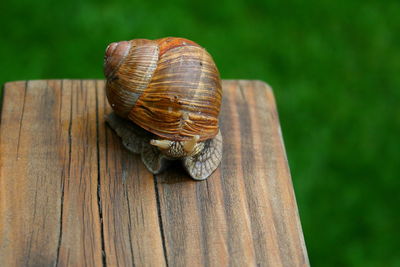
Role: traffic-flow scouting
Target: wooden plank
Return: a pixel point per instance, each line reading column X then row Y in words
column 80, row 238
column 245, row 214
column 129, row 208
column 48, row 203
column 70, row 194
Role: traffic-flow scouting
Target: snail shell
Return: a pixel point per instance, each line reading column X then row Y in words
column 171, row 90
column 169, row 87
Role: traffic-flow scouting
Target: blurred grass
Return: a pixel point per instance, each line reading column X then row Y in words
column 334, row 67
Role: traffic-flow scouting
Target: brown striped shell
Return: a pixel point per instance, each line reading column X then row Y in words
column 169, row 87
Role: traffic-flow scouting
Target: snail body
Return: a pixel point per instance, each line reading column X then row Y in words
column 166, row 95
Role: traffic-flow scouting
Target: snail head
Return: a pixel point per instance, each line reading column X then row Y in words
column 178, row 148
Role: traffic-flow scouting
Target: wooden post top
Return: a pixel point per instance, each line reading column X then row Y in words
column 72, row 195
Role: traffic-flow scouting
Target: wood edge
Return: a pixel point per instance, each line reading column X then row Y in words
column 256, row 81
column 261, row 85
column 101, row 79
column 3, row 89
column 272, row 100
column 10, row 83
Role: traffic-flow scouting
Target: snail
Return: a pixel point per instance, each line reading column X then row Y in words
column 166, row 97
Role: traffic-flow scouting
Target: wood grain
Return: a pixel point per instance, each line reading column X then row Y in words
column 71, row 195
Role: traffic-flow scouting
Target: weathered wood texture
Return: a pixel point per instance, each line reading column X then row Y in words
column 71, row 195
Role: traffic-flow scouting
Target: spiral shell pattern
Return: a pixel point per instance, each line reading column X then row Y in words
column 170, row 87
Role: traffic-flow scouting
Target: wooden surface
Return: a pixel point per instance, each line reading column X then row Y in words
column 71, row 195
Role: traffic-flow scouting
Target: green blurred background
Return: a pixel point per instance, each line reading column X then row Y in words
column 334, row 67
